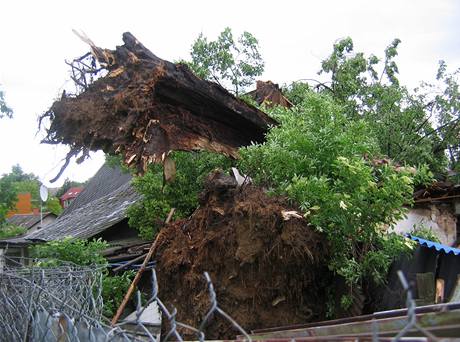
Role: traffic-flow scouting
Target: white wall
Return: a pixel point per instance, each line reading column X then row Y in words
column 440, row 219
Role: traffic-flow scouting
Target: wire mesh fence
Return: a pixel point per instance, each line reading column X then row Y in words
column 64, row 303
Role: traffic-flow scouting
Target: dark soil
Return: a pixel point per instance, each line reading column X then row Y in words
column 266, row 271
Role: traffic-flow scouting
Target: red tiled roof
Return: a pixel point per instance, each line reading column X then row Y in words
column 71, row 193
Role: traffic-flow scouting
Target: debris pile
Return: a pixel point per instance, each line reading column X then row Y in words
column 268, row 269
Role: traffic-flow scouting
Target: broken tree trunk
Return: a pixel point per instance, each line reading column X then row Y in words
column 145, row 107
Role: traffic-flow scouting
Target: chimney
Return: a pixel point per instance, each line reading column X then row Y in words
column 36, row 211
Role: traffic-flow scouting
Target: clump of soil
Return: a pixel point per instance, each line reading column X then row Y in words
column 266, row 271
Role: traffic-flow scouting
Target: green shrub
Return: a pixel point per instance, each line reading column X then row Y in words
column 325, row 163
column 77, row 251
column 9, row 231
column 114, row 289
column 425, row 233
column 148, row 214
column 87, row 253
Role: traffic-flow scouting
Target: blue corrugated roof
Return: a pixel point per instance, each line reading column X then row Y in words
column 435, row 245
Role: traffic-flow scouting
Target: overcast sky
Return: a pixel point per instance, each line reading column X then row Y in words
column 294, row 37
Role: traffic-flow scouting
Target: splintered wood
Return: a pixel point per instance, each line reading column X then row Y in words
column 145, row 107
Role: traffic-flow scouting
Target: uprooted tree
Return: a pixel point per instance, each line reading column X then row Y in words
column 143, row 107
column 323, row 166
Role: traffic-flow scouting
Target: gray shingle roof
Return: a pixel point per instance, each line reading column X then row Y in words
column 26, row 220
column 90, row 219
column 105, row 181
column 102, row 203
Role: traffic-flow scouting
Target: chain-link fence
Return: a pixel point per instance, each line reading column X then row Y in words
column 64, row 303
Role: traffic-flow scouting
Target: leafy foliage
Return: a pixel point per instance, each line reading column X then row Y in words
column 9, row 231
column 77, row 251
column 87, row 253
column 443, row 102
column 148, row 214
column 227, row 61
column 4, row 109
column 16, row 182
column 425, row 233
column 324, row 162
column 402, row 121
column 8, row 196
column 114, row 288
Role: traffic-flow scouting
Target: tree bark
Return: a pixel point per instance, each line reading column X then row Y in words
column 145, row 107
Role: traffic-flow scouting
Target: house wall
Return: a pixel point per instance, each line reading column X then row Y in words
column 23, row 205
column 46, row 220
column 13, row 255
column 119, row 231
column 440, row 218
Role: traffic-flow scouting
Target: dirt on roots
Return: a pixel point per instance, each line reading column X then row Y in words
column 266, row 271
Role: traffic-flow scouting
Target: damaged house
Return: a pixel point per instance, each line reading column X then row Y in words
column 436, row 208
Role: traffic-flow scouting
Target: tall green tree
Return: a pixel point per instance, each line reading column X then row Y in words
column 442, row 100
column 16, row 182
column 234, row 64
column 412, row 127
column 8, row 197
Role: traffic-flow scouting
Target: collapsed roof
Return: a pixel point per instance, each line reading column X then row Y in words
column 144, row 107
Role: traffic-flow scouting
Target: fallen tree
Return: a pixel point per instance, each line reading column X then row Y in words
column 144, row 107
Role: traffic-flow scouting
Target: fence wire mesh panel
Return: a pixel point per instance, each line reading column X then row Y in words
column 64, row 303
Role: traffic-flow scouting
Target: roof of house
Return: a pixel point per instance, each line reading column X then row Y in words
column 104, row 182
column 438, row 191
column 71, row 193
column 26, row 220
column 101, row 204
column 270, row 94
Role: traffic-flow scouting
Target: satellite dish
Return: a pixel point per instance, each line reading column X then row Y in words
column 43, row 193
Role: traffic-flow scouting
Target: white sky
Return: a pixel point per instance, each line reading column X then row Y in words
column 294, row 37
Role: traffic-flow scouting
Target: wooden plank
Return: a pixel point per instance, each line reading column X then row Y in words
column 456, row 293
column 425, row 288
column 442, row 324
column 439, row 290
column 139, row 273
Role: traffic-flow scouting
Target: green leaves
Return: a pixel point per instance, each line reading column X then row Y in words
column 403, row 122
column 8, row 231
column 324, row 162
column 4, row 109
column 232, row 64
column 113, row 291
column 17, row 181
column 86, row 253
column 149, row 214
column 77, row 251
